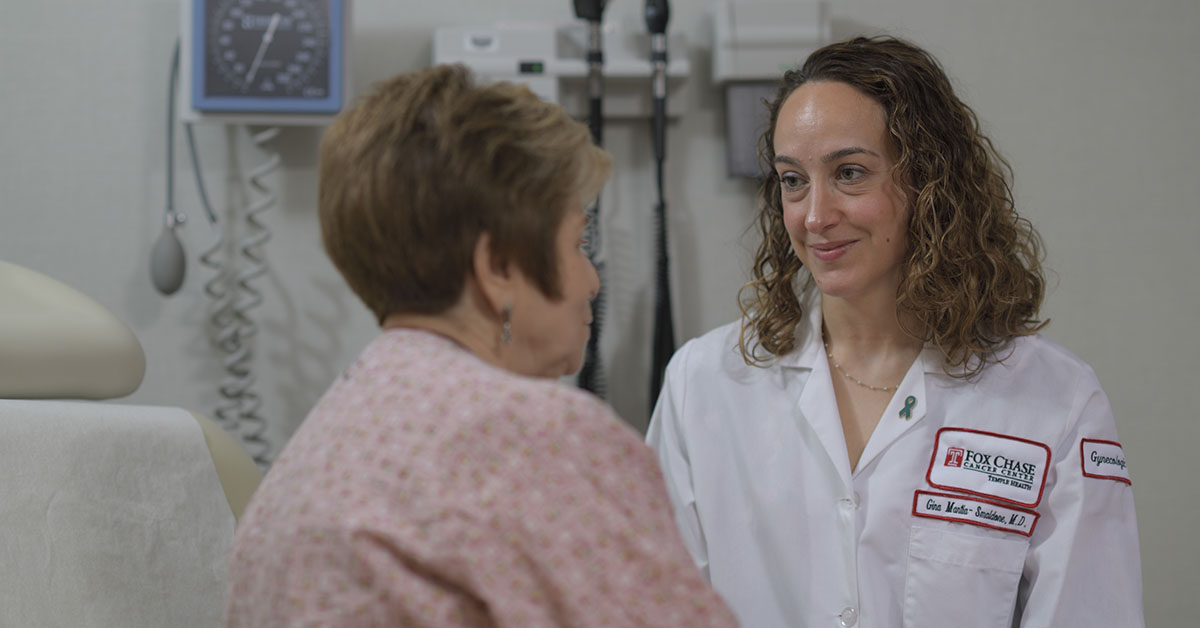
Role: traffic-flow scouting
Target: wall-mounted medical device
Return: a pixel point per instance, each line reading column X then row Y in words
column 754, row 43
column 274, row 62
column 264, row 63
column 552, row 59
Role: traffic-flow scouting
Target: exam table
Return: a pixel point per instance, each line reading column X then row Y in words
column 111, row 514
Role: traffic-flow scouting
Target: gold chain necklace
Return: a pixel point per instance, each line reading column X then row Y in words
column 852, row 378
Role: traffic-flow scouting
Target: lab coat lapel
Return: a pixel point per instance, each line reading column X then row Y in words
column 896, row 419
column 819, row 417
column 817, row 405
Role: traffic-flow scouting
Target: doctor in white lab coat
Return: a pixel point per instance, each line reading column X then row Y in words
column 885, row 439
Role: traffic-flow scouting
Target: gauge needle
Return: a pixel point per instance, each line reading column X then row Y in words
column 262, row 47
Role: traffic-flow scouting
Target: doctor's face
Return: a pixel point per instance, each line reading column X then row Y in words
column 843, row 210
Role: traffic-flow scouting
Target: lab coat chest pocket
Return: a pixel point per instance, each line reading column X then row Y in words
column 956, row 578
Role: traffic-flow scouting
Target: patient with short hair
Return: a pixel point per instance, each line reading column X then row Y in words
column 446, row 478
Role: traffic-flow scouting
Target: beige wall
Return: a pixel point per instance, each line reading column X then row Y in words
column 1093, row 101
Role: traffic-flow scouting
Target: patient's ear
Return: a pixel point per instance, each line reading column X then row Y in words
column 495, row 279
column 60, row 344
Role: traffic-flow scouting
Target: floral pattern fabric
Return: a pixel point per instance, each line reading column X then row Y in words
column 428, row 488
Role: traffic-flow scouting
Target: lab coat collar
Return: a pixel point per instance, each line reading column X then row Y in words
column 818, row 398
column 810, row 351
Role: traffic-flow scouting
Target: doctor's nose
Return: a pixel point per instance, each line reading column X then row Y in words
column 822, row 211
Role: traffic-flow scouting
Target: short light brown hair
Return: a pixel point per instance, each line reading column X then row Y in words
column 972, row 276
column 425, row 163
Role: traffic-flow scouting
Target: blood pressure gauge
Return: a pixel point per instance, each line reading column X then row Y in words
column 267, row 56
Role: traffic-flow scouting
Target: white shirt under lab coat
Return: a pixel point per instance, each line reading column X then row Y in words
column 1000, row 501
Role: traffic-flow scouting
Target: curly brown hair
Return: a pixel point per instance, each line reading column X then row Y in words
column 972, row 276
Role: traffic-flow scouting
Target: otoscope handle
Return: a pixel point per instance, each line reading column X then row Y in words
column 660, row 130
column 595, row 61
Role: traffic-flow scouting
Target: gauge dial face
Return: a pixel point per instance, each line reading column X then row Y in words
column 267, row 49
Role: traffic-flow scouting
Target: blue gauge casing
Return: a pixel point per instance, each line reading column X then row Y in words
column 301, row 74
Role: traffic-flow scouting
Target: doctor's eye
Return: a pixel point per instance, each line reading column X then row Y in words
column 850, row 173
column 790, row 180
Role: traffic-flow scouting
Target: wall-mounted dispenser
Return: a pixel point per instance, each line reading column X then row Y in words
column 755, row 42
column 552, row 60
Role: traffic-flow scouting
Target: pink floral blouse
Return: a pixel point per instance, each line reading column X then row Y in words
column 428, row 488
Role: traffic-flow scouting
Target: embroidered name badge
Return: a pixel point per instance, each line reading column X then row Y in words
column 1007, row 468
column 974, row 511
column 1104, row 459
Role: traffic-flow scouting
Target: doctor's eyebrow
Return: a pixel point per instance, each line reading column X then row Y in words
column 831, row 157
column 846, row 152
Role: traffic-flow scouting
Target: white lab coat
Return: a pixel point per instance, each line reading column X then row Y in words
column 757, row 468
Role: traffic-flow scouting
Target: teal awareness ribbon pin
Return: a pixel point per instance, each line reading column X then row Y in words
column 909, row 404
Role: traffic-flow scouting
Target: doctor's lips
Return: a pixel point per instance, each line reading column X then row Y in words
column 830, row 251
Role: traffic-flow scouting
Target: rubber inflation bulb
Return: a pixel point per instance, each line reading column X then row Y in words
column 167, row 262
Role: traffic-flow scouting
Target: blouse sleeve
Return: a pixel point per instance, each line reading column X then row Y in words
column 546, row 512
column 1084, row 566
column 580, row 530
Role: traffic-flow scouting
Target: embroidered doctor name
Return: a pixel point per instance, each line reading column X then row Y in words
column 975, row 511
column 1104, row 459
column 1006, row 468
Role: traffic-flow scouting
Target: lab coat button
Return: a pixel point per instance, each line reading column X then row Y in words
column 848, row 617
